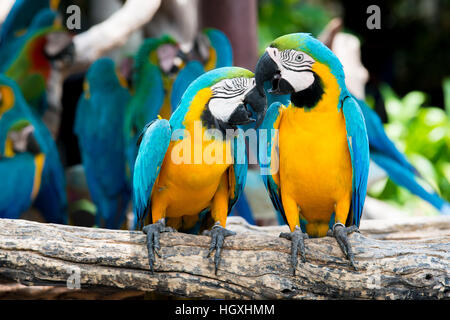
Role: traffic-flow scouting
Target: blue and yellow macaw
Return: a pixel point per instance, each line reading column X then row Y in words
column 384, row 153
column 29, row 160
column 176, row 182
column 316, row 166
column 99, row 128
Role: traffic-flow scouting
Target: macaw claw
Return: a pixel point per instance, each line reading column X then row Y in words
column 218, row 234
column 297, row 239
column 340, row 232
column 153, row 232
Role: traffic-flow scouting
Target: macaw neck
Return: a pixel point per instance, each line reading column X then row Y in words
column 323, row 95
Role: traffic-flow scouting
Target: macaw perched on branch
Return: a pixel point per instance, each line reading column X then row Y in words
column 99, row 128
column 384, row 153
column 322, row 148
column 195, row 193
column 29, row 161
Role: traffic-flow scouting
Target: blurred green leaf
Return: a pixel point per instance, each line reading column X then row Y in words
column 423, row 134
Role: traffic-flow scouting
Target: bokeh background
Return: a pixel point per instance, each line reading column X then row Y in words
column 407, row 59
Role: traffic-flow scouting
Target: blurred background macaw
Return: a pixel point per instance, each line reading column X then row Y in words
column 25, row 142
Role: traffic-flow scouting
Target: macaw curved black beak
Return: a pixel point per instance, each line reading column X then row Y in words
column 267, row 70
column 252, row 110
column 240, row 116
column 257, row 102
column 32, row 144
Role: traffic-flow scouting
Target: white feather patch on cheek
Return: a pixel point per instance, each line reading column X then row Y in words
column 298, row 80
column 223, row 108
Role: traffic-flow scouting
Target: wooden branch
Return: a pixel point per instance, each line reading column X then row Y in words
column 255, row 263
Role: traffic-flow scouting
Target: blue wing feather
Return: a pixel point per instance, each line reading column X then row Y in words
column 266, row 156
column 144, row 106
column 240, row 166
column 358, row 145
column 405, row 178
column 152, row 150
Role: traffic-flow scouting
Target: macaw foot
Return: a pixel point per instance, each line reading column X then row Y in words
column 218, row 234
column 340, row 232
column 297, row 238
column 153, row 232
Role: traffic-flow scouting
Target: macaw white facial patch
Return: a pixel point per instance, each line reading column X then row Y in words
column 227, row 95
column 295, row 67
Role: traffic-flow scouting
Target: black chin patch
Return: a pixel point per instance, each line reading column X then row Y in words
column 210, row 122
column 284, row 87
column 240, row 116
column 309, row 97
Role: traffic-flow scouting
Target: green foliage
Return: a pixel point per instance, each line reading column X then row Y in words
column 279, row 17
column 423, row 134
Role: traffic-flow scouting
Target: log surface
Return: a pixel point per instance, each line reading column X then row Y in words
column 396, row 260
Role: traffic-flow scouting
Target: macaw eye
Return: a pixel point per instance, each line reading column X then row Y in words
column 299, row 57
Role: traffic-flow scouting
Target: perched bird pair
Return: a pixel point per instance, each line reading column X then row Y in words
column 30, row 167
column 321, row 147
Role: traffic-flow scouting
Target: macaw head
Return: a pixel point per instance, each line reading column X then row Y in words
column 298, row 63
column 233, row 98
column 19, row 131
column 103, row 74
column 213, row 48
column 21, row 138
column 163, row 52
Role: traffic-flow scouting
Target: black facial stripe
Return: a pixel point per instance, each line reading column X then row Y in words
column 226, row 95
column 297, row 68
column 301, row 63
